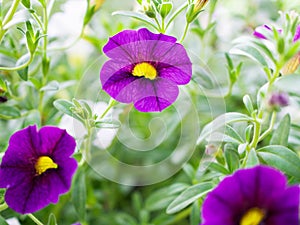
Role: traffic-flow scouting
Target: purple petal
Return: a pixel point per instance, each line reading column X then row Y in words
column 297, row 34
column 285, row 209
column 149, row 94
column 56, row 143
column 260, row 185
column 259, row 35
column 129, row 36
column 18, row 161
column 227, row 204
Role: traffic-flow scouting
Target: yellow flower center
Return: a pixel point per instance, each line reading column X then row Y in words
column 44, row 163
column 144, row 69
column 253, row 216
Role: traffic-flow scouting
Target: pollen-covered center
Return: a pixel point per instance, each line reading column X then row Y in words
column 144, row 69
column 44, row 163
column 253, row 216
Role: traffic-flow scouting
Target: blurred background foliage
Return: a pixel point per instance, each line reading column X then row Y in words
column 71, row 65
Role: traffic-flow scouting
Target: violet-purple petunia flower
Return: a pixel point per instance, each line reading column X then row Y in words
column 255, row 196
column 36, row 168
column 145, row 68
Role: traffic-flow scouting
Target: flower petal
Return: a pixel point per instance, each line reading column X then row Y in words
column 297, row 34
column 56, row 142
column 18, row 161
column 129, row 36
column 285, row 209
column 149, row 95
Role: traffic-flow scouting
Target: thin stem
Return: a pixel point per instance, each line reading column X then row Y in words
column 45, row 59
column 176, row 13
column 163, row 26
column 8, row 17
column 34, row 219
column 3, row 206
column 257, row 128
column 180, row 216
column 158, row 24
column 111, row 103
column 24, row 65
column 269, row 130
column 185, row 32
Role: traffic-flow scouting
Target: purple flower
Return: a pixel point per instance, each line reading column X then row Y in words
column 253, row 196
column 145, row 68
column 37, row 168
column 279, row 99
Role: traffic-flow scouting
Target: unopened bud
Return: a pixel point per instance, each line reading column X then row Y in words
column 279, row 99
column 199, row 4
column 97, row 3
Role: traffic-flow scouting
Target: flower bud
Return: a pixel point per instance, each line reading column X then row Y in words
column 3, row 99
column 97, row 4
column 278, row 100
column 199, row 4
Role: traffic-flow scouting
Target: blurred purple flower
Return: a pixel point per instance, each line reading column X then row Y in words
column 145, row 68
column 279, row 99
column 253, row 196
column 37, row 168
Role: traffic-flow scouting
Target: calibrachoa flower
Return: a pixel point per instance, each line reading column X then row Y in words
column 255, row 196
column 145, row 68
column 37, row 168
column 294, row 62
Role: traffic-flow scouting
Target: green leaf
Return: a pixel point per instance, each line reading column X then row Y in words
column 281, row 134
column 165, row 9
column 189, row 196
column 3, row 221
column 51, row 86
column 194, row 216
column 252, row 159
column 9, row 112
column 248, row 104
column 65, row 107
column 161, row 198
column 282, row 158
column 249, row 52
column 220, row 122
column 135, row 15
column 218, row 168
column 79, row 194
column 232, row 157
column 107, row 123
column 23, row 73
column 52, row 220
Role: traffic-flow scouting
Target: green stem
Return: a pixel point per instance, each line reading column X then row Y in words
column 8, row 17
column 157, row 22
column 45, row 43
column 3, row 206
column 163, row 26
column 34, row 219
column 24, row 65
column 257, row 129
column 180, row 216
column 269, row 130
column 185, row 32
column 111, row 103
column 176, row 13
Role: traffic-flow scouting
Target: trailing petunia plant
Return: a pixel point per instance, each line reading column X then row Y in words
column 149, row 112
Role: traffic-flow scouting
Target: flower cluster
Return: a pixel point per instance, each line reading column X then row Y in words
column 37, row 168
